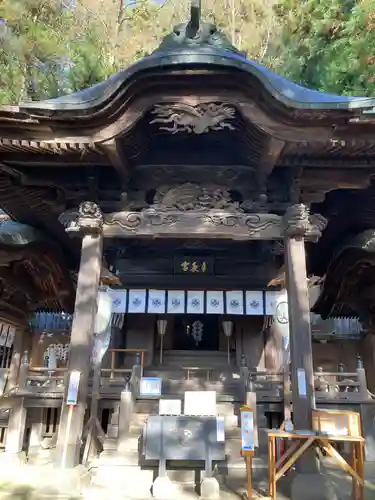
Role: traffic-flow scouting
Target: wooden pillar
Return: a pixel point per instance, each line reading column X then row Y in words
column 368, row 351
column 298, row 224
column 19, row 345
column 90, row 225
column 16, row 428
column 17, row 416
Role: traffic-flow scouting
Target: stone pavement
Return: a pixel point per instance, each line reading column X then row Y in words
column 341, row 481
column 41, row 484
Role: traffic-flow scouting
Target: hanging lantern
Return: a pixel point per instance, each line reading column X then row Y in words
column 228, row 328
column 162, row 328
column 228, row 331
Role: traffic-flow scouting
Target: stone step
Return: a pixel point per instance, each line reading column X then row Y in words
column 151, row 406
column 180, row 386
column 198, row 355
column 233, row 395
column 129, row 481
column 201, row 374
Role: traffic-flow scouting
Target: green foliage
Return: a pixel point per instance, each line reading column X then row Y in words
column 46, row 51
column 38, row 42
column 327, row 45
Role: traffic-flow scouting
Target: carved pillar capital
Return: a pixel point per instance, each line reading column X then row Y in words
column 89, row 219
column 299, row 223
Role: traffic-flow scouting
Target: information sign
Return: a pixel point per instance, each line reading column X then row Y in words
column 220, row 429
column 247, row 431
column 301, row 383
column 200, row 403
column 73, row 387
column 150, row 386
column 170, row 407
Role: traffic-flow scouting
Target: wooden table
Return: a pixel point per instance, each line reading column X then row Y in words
column 300, row 443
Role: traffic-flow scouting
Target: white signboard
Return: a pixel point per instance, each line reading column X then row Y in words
column 220, row 429
column 301, row 383
column 247, row 431
column 170, row 407
column 150, row 386
column 200, row 403
column 73, row 387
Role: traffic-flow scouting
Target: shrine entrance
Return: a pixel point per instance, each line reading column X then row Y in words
column 196, row 333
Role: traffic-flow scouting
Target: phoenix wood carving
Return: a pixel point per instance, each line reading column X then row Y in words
column 175, row 118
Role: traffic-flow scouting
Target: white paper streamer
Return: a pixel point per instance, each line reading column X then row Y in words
column 4, row 328
column 11, row 335
column 52, row 359
column 272, row 299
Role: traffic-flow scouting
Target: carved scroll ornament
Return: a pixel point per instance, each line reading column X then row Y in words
column 298, row 222
column 193, row 224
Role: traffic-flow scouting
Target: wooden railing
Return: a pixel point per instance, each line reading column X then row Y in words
column 329, row 386
column 39, row 379
column 93, row 432
column 188, row 370
column 113, row 370
column 341, row 385
column 42, row 379
column 4, row 377
column 268, row 386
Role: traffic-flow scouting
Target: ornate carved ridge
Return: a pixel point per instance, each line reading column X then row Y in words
column 177, row 118
column 299, row 223
column 192, row 216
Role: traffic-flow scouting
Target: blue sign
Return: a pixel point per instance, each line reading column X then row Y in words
column 247, row 431
column 150, row 386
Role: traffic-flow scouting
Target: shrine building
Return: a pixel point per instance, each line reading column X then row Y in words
column 227, row 212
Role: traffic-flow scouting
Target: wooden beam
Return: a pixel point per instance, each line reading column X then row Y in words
column 269, row 160
column 113, row 151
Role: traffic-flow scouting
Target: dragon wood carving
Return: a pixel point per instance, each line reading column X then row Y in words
column 175, row 118
column 194, row 197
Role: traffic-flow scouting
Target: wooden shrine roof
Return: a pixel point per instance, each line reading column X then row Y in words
column 104, row 144
column 33, row 272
